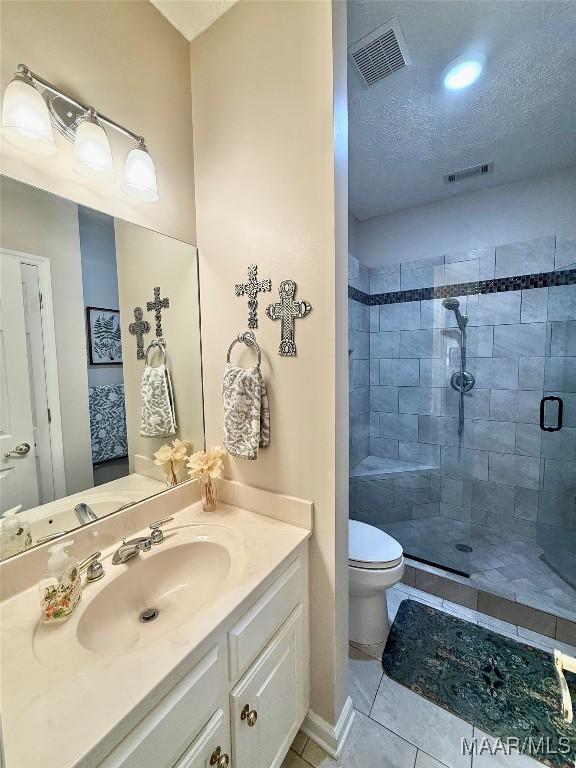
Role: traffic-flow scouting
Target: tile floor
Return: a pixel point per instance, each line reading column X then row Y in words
column 500, row 561
column 394, row 727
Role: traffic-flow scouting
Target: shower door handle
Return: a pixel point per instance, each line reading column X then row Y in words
column 551, row 399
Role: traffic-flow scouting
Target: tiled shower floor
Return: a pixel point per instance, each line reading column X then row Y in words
column 499, row 562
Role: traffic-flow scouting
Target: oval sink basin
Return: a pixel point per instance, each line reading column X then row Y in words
column 157, row 592
column 150, row 595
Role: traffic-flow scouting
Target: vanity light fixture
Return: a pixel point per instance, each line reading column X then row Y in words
column 27, row 119
column 463, row 71
column 92, row 153
column 140, row 175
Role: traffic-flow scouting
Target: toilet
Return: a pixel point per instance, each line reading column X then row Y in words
column 375, row 563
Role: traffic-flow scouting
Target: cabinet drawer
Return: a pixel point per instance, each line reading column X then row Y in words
column 216, row 735
column 270, row 702
column 255, row 629
column 164, row 734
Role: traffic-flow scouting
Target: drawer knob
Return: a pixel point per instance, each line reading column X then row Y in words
column 218, row 759
column 249, row 714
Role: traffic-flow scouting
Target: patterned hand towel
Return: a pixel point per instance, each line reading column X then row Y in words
column 246, row 412
column 158, row 414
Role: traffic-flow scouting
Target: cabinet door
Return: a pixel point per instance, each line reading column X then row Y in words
column 270, row 702
column 211, row 747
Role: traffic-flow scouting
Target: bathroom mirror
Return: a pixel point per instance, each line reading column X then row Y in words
column 85, row 297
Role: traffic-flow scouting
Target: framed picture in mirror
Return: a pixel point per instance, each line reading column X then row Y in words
column 104, row 336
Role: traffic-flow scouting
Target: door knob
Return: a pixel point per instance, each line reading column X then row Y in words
column 218, row 759
column 250, row 715
column 21, row 450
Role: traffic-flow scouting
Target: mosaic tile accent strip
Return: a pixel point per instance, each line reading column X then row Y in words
column 497, row 285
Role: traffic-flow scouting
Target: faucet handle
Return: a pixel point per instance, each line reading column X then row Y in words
column 93, row 567
column 157, row 535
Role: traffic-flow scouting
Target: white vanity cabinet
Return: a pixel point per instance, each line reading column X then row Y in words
column 211, row 747
column 241, row 704
column 266, row 706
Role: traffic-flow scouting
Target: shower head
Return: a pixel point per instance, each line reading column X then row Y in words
column 454, row 305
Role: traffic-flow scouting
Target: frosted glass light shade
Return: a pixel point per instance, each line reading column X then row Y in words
column 92, row 153
column 140, row 176
column 25, row 118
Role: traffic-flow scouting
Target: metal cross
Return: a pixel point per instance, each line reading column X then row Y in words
column 251, row 289
column 158, row 305
column 287, row 310
column 138, row 329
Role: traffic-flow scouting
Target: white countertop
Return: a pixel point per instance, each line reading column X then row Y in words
column 53, row 717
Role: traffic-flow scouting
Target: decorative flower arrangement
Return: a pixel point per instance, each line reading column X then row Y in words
column 172, row 459
column 206, row 466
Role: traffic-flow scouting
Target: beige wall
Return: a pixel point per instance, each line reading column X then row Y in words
column 146, row 259
column 127, row 60
column 45, row 225
column 262, row 85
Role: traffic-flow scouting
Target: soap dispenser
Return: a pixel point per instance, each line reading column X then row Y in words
column 60, row 587
column 15, row 533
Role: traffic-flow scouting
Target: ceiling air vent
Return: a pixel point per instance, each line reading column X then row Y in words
column 466, row 173
column 380, row 53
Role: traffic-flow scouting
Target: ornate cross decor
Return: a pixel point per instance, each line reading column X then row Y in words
column 251, row 289
column 157, row 306
column 287, row 310
column 138, row 328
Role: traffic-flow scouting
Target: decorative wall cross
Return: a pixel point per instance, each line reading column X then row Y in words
column 157, row 306
column 287, row 310
column 251, row 289
column 138, row 328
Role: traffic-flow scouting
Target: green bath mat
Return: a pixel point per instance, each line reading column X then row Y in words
column 503, row 687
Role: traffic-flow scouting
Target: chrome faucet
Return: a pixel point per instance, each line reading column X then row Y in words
column 129, row 549
column 84, row 513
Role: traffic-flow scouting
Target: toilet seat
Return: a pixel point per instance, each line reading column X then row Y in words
column 372, row 549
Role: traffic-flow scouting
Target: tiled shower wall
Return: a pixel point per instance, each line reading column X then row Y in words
column 359, row 362
column 506, row 473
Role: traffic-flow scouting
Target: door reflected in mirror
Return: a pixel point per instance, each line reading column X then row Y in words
column 100, row 370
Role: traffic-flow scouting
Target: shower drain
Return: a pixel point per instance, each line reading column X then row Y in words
column 463, row 548
column 149, row 615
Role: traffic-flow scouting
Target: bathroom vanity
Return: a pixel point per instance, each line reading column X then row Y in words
column 219, row 677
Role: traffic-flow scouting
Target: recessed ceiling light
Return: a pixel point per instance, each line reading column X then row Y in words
column 464, row 71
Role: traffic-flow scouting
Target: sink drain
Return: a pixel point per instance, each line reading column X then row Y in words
column 463, row 548
column 149, row 615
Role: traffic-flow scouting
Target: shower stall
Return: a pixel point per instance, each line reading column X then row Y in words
column 463, row 414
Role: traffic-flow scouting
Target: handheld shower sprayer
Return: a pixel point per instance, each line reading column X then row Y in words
column 462, row 381
column 454, row 305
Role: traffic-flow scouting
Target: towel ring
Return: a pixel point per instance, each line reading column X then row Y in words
column 247, row 338
column 161, row 344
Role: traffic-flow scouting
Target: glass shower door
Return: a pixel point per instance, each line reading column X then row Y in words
column 556, row 513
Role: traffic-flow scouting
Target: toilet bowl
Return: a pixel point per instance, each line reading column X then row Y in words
column 375, row 563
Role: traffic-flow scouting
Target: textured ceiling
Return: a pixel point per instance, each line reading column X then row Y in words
column 407, row 131
column 191, row 17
